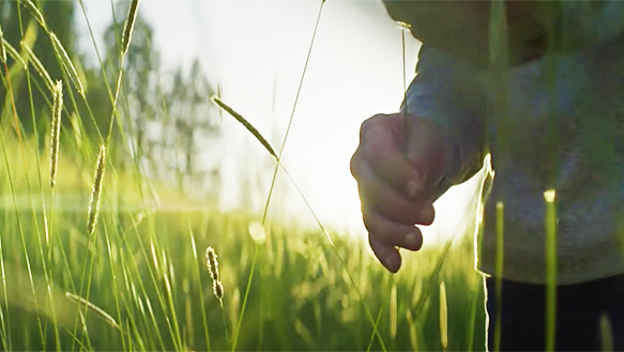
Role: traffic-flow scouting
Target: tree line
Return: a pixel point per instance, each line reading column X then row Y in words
column 164, row 114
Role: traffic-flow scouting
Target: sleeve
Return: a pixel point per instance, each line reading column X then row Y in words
column 589, row 23
column 457, row 27
column 450, row 95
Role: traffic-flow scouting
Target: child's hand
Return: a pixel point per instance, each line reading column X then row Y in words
column 397, row 165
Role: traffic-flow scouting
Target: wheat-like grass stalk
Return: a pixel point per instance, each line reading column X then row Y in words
column 247, row 125
column 129, row 26
column 393, row 311
column 96, row 191
column 39, row 67
column 3, row 55
column 99, row 311
column 12, row 52
column 55, row 132
column 443, row 317
column 34, row 11
column 550, row 196
column 212, row 265
column 68, row 65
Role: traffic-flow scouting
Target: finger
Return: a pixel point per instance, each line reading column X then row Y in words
column 392, row 233
column 388, row 255
column 380, row 196
column 381, row 144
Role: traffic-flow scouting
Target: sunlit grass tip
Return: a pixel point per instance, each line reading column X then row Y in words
column 256, row 231
column 99, row 311
column 96, row 191
column 129, row 26
column 34, row 11
column 3, row 55
column 247, row 125
column 55, row 132
column 443, row 316
column 550, row 195
column 404, row 25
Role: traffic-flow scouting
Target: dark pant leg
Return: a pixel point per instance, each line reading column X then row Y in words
column 523, row 317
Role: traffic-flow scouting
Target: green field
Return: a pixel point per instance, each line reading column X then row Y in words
column 145, row 267
column 139, row 280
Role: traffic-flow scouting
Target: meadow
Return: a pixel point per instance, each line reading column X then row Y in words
column 145, row 267
column 94, row 256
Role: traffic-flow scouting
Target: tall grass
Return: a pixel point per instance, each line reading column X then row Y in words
column 134, row 277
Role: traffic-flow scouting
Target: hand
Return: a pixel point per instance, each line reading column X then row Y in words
column 398, row 165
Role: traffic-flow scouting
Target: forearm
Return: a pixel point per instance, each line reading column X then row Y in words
column 449, row 95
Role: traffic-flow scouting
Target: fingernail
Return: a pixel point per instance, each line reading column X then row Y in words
column 411, row 241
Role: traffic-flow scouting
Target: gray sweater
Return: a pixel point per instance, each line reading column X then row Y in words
column 562, row 128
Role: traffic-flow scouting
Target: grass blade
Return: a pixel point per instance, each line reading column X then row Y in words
column 551, row 268
column 99, row 311
column 3, row 55
column 34, row 11
column 8, row 48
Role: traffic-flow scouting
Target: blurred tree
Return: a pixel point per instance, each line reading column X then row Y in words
column 195, row 120
column 168, row 114
column 59, row 16
column 141, row 75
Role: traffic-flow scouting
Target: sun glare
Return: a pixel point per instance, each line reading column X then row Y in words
column 355, row 71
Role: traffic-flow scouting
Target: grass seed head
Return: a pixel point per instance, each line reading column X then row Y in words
column 217, row 101
column 212, row 264
column 218, row 289
column 129, row 26
column 96, row 191
column 55, row 133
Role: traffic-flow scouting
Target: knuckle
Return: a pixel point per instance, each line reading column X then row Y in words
column 355, row 165
column 364, row 128
column 368, row 124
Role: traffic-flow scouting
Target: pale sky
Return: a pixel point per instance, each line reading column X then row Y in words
column 256, row 47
